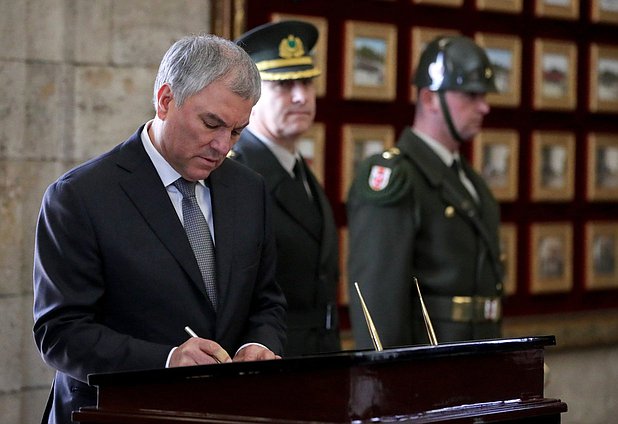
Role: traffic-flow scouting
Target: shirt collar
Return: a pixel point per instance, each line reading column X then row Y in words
column 283, row 155
column 443, row 153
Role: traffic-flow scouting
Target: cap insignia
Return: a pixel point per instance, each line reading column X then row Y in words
column 291, row 47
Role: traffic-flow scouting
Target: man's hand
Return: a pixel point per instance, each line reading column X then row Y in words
column 254, row 352
column 197, row 351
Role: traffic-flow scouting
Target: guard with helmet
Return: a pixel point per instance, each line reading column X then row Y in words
column 420, row 210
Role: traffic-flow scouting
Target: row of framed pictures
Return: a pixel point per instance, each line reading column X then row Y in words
column 371, row 62
column 496, row 153
column 600, row 10
column 551, row 257
column 495, row 156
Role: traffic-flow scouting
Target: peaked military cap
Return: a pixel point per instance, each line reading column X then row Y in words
column 281, row 49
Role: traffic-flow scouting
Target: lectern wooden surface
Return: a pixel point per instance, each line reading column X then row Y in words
column 472, row 382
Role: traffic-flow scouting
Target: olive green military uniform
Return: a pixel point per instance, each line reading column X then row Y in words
column 410, row 216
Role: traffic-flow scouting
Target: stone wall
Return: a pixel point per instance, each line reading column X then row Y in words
column 76, row 79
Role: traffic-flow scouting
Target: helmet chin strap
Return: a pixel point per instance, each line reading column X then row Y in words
column 447, row 117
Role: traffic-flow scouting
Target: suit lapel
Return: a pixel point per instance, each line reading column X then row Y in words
column 283, row 188
column 143, row 186
column 224, row 203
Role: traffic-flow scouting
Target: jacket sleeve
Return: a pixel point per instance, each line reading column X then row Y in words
column 69, row 286
column 380, row 257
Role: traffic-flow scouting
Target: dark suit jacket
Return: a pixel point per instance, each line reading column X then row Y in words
column 116, row 281
column 428, row 227
column 307, row 260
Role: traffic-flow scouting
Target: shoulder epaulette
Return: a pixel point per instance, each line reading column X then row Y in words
column 384, row 178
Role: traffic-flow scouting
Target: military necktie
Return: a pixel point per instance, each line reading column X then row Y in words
column 199, row 236
column 301, row 177
column 463, row 178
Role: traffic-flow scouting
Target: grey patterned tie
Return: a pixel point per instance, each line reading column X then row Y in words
column 198, row 233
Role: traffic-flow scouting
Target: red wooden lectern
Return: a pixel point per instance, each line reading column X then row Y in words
column 472, row 382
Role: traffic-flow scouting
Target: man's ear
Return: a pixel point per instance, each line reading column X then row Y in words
column 429, row 99
column 164, row 98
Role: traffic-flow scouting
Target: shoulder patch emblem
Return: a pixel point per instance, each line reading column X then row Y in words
column 379, row 177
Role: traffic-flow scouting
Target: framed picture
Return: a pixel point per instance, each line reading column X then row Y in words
column 603, row 78
column 601, row 255
column 421, row 36
column 495, row 158
column 504, row 52
column 360, row 142
column 551, row 260
column 565, row 9
column 508, row 255
column 553, row 166
column 509, row 6
column 604, row 11
column 554, row 74
column 451, row 3
column 320, row 49
column 602, row 167
column 370, row 61
column 311, row 147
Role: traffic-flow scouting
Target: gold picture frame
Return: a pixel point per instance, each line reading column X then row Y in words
column 508, row 256
column 509, row 6
column 552, row 257
column 449, row 3
column 563, row 9
column 370, row 61
column 320, row 49
column 602, row 170
column 603, row 78
column 420, row 36
column 311, row 147
column 601, row 255
column 504, row 52
column 553, row 166
column 495, row 155
column 359, row 142
column 603, row 13
column 555, row 68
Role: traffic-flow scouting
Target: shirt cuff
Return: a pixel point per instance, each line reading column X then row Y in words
column 169, row 357
column 249, row 344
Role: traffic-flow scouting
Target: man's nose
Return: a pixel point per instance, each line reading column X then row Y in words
column 299, row 93
column 222, row 142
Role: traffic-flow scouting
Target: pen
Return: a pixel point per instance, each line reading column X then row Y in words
column 192, row 334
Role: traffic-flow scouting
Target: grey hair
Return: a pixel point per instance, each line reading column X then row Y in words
column 194, row 62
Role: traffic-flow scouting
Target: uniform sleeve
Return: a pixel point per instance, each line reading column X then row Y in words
column 381, row 225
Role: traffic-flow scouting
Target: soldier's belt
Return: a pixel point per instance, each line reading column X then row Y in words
column 464, row 308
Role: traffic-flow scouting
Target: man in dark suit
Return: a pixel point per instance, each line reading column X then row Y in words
column 419, row 210
column 117, row 277
column 307, row 247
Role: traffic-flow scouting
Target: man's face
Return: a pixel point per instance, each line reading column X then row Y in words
column 196, row 137
column 285, row 110
column 467, row 112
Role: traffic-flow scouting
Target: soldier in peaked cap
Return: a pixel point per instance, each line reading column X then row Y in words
column 419, row 210
column 307, row 246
